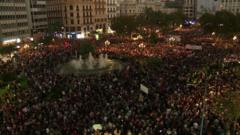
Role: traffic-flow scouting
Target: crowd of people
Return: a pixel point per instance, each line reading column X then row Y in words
column 71, row 105
column 145, row 50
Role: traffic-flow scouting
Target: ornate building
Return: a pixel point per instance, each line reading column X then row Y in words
column 82, row 16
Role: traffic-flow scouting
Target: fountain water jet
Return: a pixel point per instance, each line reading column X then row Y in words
column 90, row 61
column 102, row 61
column 90, row 65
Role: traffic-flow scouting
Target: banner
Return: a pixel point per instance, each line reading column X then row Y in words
column 193, row 47
column 143, row 88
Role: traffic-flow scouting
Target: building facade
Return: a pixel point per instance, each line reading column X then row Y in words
column 230, row 5
column 189, row 8
column 212, row 6
column 112, row 9
column 82, row 16
column 129, row 8
column 161, row 6
column 100, row 17
column 14, row 21
column 136, row 7
column 54, row 12
column 207, row 6
column 38, row 10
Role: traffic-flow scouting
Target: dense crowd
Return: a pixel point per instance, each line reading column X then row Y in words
column 145, row 50
column 71, row 105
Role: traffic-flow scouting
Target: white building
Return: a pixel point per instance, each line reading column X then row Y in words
column 129, row 7
column 212, row 6
column 136, row 7
column 230, row 5
column 207, row 6
column 112, row 9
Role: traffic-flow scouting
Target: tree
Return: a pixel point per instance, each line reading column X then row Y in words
column 141, row 20
column 128, row 24
column 207, row 22
column 238, row 22
column 177, row 18
column 86, row 48
column 47, row 39
column 54, row 27
column 152, row 18
column 163, row 20
column 222, row 22
column 7, row 49
column 124, row 24
column 227, row 19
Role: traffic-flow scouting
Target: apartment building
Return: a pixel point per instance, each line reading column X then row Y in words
column 189, row 8
column 230, row 5
column 136, row 7
column 54, row 11
column 38, row 11
column 129, row 8
column 82, row 16
column 212, row 6
column 14, row 21
column 207, row 6
column 112, row 9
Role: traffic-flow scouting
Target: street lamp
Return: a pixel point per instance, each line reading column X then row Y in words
column 180, row 26
column 213, row 33
column 235, row 38
column 63, row 30
column 214, row 38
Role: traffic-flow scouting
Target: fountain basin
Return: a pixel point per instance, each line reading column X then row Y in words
column 89, row 66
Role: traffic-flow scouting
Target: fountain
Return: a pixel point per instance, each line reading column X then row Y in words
column 77, row 64
column 90, row 61
column 90, row 65
column 80, row 62
column 102, row 61
column 106, row 56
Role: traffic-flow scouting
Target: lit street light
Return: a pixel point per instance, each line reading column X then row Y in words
column 213, row 33
column 235, row 38
column 63, row 30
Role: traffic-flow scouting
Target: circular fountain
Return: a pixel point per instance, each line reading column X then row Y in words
column 90, row 65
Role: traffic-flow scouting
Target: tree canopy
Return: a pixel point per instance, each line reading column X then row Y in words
column 86, row 48
column 54, row 27
column 124, row 24
column 223, row 22
column 127, row 24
